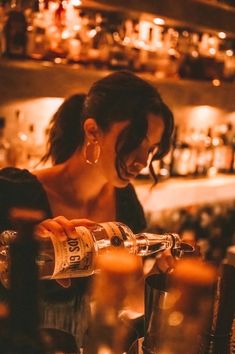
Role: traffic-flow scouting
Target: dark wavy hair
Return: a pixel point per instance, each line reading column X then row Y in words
column 117, row 97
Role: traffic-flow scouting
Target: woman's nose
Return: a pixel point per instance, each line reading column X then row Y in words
column 142, row 160
column 138, row 166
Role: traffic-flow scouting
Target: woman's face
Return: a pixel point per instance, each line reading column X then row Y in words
column 136, row 160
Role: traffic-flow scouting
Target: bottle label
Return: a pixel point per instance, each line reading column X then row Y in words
column 116, row 232
column 74, row 257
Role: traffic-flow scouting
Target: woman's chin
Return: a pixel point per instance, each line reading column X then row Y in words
column 121, row 183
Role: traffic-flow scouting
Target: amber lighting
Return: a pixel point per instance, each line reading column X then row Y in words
column 216, row 82
column 76, row 3
column 222, row 35
column 158, row 21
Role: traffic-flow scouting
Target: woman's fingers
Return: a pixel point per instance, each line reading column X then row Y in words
column 166, row 262
column 67, row 226
column 61, row 227
column 48, row 226
column 82, row 222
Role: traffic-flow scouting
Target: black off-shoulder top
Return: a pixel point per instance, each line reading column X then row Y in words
column 20, row 188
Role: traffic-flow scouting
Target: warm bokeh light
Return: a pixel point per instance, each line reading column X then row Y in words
column 216, row 82
column 229, row 52
column 222, row 35
column 76, row 2
column 158, row 21
column 201, row 117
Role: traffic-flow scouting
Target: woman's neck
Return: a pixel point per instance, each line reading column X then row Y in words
column 75, row 181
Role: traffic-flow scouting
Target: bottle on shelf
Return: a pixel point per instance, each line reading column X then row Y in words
column 209, row 152
column 2, row 20
column 109, row 332
column 18, row 153
column 102, row 42
column 233, row 159
column 39, row 23
column 173, row 147
column 75, row 257
column 223, row 150
column 230, row 138
column 165, row 163
column 4, row 144
column 204, row 153
column 35, row 149
column 15, row 34
column 183, row 158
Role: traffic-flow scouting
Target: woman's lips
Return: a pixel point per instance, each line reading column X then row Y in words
column 127, row 175
column 132, row 174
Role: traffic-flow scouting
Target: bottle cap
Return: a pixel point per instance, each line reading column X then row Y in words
column 231, row 255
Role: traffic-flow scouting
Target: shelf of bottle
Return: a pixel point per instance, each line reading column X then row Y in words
column 182, row 192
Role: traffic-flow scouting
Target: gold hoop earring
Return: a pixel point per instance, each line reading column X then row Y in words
column 92, row 153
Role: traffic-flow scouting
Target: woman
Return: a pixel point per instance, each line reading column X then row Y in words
column 97, row 144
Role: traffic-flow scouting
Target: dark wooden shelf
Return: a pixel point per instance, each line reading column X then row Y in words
column 36, row 88
column 25, row 79
column 196, row 14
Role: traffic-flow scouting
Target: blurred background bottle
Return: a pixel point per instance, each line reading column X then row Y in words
column 221, row 336
column 118, row 274
column 15, row 32
column 18, row 153
column 182, row 311
column 4, row 144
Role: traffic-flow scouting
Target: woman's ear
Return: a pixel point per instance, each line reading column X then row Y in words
column 91, row 130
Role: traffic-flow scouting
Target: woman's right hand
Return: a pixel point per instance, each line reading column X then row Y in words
column 62, row 228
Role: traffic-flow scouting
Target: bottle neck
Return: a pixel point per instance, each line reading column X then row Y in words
column 148, row 243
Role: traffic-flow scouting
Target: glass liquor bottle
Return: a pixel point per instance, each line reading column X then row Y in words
column 75, row 257
column 183, row 159
column 223, row 153
column 15, row 34
column 18, row 152
column 4, row 144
